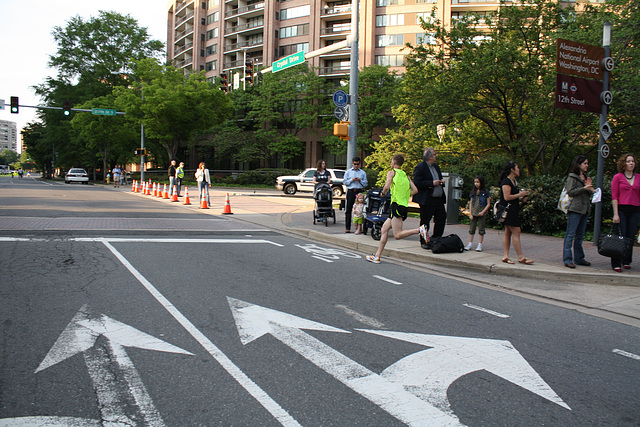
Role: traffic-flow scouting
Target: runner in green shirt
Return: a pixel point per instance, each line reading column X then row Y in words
column 402, row 188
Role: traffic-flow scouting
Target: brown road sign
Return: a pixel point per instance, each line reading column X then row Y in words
column 575, row 93
column 579, row 59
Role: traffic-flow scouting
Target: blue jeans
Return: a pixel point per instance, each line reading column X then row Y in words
column 172, row 182
column 576, row 226
column 628, row 226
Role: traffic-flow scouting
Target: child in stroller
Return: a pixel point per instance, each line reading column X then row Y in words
column 377, row 212
column 323, row 196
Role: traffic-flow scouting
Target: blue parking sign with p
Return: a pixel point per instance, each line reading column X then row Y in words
column 340, row 98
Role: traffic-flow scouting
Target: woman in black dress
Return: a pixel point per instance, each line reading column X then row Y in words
column 511, row 196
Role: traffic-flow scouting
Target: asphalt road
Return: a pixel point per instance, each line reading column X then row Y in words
column 123, row 313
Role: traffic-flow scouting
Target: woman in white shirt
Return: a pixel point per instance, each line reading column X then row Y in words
column 204, row 181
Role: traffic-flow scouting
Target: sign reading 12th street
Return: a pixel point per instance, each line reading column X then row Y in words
column 579, row 76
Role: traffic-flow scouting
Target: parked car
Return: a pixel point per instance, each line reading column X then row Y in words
column 291, row 184
column 76, row 175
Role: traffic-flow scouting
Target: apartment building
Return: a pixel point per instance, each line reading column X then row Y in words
column 220, row 36
column 8, row 135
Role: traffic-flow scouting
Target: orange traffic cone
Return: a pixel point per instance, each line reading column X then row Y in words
column 149, row 188
column 165, row 193
column 175, row 194
column 203, row 200
column 133, row 186
column 186, row 196
column 227, row 207
column 155, row 190
column 137, row 190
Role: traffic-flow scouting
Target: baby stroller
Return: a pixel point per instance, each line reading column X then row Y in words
column 377, row 212
column 324, row 204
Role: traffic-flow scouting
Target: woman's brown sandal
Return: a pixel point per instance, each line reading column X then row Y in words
column 526, row 261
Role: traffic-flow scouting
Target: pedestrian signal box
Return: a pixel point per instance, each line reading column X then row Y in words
column 341, row 130
column 141, row 152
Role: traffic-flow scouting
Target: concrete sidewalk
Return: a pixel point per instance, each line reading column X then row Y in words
column 596, row 289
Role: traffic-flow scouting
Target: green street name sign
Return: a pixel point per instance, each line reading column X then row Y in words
column 288, row 61
column 103, row 112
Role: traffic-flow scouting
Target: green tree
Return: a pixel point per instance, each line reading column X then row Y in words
column 378, row 90
column 624, row 112
column 174, row 108
column 282, row 106
column 111, row 138
column 8, row 156
column 87, row 52
column 502, row 80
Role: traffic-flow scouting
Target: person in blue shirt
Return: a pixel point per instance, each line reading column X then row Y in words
column 355, row 179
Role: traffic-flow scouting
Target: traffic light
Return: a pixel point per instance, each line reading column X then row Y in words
column 248, row 72
column 15, row 105
column 224, row 83
column 341, row 130
column 66, row 108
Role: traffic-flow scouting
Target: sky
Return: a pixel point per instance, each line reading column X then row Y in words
column 26, row 41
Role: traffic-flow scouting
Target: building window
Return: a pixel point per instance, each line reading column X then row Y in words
column 296, row 30
column 295, row 12
column 211, row 66
column 425, row 16
column 390, row 60
column 214, row 17
column 213, row 3
column 425, row 1
column 382, row 3
column 389, row 40
column 389, row 20
column 425, row 38
column 212, row 50
column 213, row 33
column 293, row 48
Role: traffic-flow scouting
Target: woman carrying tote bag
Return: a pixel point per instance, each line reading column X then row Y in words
column 625, row 198
column 579, row 188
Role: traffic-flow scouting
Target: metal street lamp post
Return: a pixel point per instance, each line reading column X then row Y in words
column 142, row 157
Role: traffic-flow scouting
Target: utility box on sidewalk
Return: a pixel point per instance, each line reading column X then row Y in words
column 453, row 188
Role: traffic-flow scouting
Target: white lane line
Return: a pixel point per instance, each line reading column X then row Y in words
column 168, row 240
column 626, row 354
column 361, row 317
column 247, row 383
column 393, row 282
column 486, row 310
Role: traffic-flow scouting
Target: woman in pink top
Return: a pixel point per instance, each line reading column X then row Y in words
column 625, row 198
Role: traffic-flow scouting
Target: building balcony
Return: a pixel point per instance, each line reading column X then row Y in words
column 248, row 44
column 183, row 34
column 251, row 9
column 334, row 71
column 181, row 19
column 181, row 6
column 244, row 27
column 180, row 49
column 332, row 12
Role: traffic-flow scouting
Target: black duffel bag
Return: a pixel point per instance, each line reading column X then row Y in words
column 447, row 244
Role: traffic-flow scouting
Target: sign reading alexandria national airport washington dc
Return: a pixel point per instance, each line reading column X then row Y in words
column 579, row 76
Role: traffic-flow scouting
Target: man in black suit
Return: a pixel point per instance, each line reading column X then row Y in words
column 431, row 196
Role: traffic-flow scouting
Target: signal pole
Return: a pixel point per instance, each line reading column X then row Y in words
column 353, row 82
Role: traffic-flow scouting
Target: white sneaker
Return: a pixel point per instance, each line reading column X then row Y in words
column 373, row 258
column 468, row 247
column 424, row 233
column 479, row 248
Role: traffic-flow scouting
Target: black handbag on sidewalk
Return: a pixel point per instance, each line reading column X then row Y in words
column 615, row 245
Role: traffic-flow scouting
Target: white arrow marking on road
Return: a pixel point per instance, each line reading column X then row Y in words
column 429, row 373
column 253, row 321
column 81, row 335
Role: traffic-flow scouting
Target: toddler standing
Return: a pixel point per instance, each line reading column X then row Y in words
column 479, row 203
column 358, row 213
